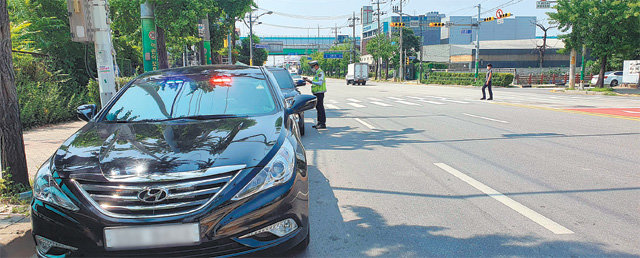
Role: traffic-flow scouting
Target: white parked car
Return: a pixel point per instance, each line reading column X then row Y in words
column 610, row 78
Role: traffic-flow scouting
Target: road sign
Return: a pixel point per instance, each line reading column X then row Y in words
column 499, row 13
column 543, row 4
column 412, row 57
column 333, row 56
column 466, row 31
column 261, row 46
column 309, row 58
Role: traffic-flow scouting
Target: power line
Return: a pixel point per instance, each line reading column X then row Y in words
column 306, row 17
column 302, row 28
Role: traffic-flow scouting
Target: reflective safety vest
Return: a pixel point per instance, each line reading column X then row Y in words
column 319, row 83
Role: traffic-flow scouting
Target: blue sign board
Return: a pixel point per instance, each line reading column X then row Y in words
column 332, row 55
column 309, row 58
column 293, row 54
column 412, row 57
column 466, row 31
column 261, row 46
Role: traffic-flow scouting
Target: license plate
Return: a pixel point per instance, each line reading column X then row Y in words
column 140, row 237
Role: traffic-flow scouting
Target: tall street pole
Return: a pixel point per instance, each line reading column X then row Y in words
column 353, row 24
column 149, row 43
column 478, row 44
column 582, row 70
column 251, row 38
column 103, row 48
column 401, row 30
column 206, row 41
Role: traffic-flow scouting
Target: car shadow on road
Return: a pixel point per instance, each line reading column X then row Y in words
column 350, row 138
column 367, row 233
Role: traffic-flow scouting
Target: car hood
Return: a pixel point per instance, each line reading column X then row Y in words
column 103, row 151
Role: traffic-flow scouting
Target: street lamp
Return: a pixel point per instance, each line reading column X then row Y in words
column 251, row 21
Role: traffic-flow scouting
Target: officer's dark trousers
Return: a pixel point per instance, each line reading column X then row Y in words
column 487, row 85
column 322, row 117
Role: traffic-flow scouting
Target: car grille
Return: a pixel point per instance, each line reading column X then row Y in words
column 122, row 199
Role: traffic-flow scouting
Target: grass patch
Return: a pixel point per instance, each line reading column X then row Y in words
column 9, row 196
column 601, row 89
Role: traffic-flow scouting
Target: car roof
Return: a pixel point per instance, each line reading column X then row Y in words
column 204, row 68
column 276, row 69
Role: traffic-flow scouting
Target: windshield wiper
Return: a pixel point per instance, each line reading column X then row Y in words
column 202, row 117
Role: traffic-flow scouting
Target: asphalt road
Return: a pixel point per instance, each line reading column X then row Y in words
column 407, row 170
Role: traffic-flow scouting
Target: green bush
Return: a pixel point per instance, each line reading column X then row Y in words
column 499, row 79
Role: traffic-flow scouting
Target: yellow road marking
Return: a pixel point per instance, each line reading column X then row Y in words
column 567, row 111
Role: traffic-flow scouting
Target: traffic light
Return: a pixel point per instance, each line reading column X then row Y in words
column 488, row 19
column 407, row 61
column 397, row 24
column 504, row 15
column 436, row 24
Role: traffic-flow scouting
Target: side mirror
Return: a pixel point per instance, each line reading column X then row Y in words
column 302, row 103
column 86, row 112
column 300, row 83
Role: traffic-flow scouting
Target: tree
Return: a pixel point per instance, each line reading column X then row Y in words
column 607, row 28
column 12, row 155
column 259, row 54
column 381, row 47
column 543, row 48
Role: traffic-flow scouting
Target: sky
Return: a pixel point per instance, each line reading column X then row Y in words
column 309, row 15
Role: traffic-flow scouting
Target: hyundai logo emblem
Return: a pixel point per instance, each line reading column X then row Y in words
column 152, row 195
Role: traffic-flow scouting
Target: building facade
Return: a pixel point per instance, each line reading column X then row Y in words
column 521, row 27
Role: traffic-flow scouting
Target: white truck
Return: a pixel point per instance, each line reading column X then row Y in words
column 357, row 74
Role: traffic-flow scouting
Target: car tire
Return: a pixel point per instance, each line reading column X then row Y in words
column 301, row 124
column 364, row 83
column 348, row 83
column 614, row 83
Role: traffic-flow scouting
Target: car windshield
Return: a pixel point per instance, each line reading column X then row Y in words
column 196, row 94
column 284, row 79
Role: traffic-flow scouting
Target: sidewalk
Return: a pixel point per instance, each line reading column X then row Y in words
column 40, row 144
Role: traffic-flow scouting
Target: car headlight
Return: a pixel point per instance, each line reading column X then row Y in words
column 46, row 189
column 278, row 171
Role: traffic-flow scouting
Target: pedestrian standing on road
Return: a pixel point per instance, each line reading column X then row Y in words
column 487, row 83
column 318, row 88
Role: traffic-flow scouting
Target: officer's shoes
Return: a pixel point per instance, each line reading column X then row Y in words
column 320, row 126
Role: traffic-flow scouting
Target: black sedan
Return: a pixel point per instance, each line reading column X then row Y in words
column 289, row 90
column 198, row 161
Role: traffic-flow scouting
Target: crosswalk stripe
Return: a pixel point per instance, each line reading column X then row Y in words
column 374, row 99
column 380, row 104
column 431, row 102
column 407, row 103
column 332, row 101
column 455, row 101
column 354, row 100
column 356, row 105
column 331, row 106
column 394, row 98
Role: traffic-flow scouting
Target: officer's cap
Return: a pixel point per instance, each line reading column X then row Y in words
column 312, row 63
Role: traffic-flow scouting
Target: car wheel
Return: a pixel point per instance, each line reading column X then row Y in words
column 348, row 83
column 301, row 124
column 364, row 83
column 614, row 83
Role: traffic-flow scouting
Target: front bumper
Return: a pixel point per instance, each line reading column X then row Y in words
column 221, row 225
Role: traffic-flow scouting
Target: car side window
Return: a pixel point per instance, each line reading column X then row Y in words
column 618, row 73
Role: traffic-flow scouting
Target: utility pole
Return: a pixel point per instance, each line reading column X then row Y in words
column 401, row 71
column 572, row 69
column 353, row 24
column 204, row 33
column 335, row 30
column 251, row 38
column 478, row 44
column 379, row 62
column 103, row 48
column 421, row 48
column 149, row 43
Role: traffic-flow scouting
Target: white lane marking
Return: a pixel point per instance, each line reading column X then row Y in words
column 354, row 100
column 374, row 99
column 407, row 103
column 380, row 104
column 431, row 102
column 356, row 105
column 331, row 106
column 414, row 97
column 516, row 206
column 394, row 98
column 455, row 101
column 332, row 101
column 486, row 118
column 364, row 123
column 632, row 112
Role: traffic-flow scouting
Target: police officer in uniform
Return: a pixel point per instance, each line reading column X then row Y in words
column 318, row 88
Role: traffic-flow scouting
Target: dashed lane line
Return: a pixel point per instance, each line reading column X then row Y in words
column 331, row 106
column 354, row 100
column 514, row 205
column 375, row 99
column 407, row 103
column 394, row 98
column 431, row 102
column 380, row 104
column 356, row 105
column 486, row 118
column 365, row 123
